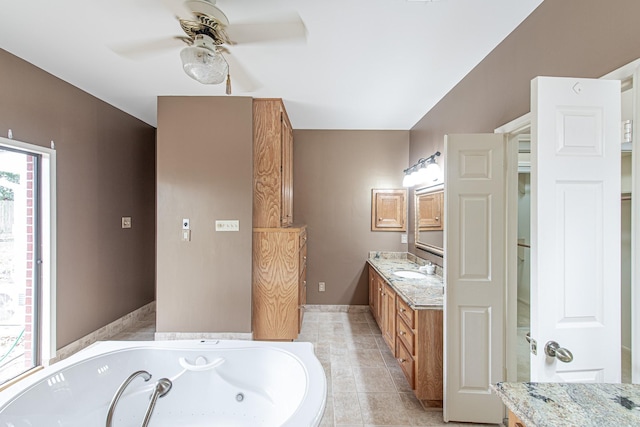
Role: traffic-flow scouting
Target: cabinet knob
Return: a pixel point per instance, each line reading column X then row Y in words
column 401, row 360
column 304, row 258
column 402, row 310
column 437, row 218
column 379, row 219
column 403, row 333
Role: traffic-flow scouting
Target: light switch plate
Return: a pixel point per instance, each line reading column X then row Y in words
column 228, row 225
column 185, row 224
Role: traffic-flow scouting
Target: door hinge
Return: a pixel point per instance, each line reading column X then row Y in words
column 627, row 131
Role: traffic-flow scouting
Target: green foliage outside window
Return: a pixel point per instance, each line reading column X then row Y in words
column 7, row 193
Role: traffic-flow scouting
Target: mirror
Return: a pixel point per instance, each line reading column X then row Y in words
column 429, row 209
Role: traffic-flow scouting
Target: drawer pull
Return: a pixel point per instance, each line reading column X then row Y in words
column 304, row 258
column 401, row 360
column 403, row 333
column 402, row 310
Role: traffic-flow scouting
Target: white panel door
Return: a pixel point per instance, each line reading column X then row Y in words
column 475, row 276
column 575, row 228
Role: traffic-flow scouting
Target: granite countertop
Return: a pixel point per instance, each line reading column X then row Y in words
column 572, row 405
column 418, row 293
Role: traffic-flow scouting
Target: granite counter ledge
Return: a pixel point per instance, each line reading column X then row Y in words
column 427, row 293
column 572, row 404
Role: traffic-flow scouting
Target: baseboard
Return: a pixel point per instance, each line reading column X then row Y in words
column 104, row 333
column 162, row 336
column 336, row 308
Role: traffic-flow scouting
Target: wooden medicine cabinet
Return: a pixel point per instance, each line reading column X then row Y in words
column 388, row 209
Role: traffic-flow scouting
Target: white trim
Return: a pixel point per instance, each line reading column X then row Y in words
column 49, row 258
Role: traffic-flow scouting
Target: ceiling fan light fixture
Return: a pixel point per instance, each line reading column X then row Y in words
column 203, row 63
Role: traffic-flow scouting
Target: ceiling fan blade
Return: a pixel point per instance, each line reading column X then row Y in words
column 290, row 28
column 146, row 48
column 240, row 77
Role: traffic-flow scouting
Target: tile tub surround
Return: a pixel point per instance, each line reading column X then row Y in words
column 110, row 331
column 418, row 293
column 563, row 404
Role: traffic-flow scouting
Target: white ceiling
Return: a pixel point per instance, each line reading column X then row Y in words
column 366, row 64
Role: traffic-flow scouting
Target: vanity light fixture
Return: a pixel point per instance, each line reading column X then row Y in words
column 426, row 170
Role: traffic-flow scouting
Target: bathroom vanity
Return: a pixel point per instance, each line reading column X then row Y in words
column 570, row 404
column 407, row 305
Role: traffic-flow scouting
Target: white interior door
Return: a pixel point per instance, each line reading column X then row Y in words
column 475, row 276
column 575, row 229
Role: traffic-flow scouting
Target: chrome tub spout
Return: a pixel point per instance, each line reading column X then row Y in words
column 161, row 389
column 112, row 406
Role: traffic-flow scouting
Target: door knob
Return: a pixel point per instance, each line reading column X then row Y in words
column 553, row 349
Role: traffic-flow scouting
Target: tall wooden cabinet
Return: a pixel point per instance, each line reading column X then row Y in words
column 272, row 165
column 279, row 282
column 279, row 247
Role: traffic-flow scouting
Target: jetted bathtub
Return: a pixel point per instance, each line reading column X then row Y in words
column 213, row 383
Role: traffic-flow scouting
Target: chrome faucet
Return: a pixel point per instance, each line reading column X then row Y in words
column 112, row 406
column 162, row 387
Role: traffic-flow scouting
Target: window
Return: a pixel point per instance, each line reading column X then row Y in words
column 27, row 272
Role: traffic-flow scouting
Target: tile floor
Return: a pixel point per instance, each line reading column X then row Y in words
column 366, row 387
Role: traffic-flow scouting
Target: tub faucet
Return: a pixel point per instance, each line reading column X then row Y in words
column 162, row 387
column 112, row 406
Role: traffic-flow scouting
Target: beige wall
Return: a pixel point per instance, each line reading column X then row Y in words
column 334, row 172
column 581, row 38
column 204, row 162
column 105, row 170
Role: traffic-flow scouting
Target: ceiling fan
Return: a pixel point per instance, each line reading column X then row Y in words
column 209, row 34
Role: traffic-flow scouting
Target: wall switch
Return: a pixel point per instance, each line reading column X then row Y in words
column 321, row 287
column 228, row 225
column 403, row 238
column 126, row 222
column 186, row 235
column 185, row 224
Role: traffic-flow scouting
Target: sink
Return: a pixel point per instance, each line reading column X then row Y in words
column 410, row 274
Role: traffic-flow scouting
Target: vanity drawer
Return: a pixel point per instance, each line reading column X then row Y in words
column 405, row 359
column 406, row 335
column 406, row 313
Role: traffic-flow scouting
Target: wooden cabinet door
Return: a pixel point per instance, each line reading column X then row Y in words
column 389, row 318
column 388, row 210
column 379, row 300
column 430, row 211
column 372, row 288
column 287, row 172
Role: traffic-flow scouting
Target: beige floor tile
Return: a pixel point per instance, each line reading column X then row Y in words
column 342, row 379
column 361, row 342
column 399, row 380
column 327, row 417
column 346, row 408
column 366, row 358
column 370, row 380
column 383, row 408
column 358, row 329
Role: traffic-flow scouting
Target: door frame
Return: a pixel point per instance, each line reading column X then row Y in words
column 628, row 72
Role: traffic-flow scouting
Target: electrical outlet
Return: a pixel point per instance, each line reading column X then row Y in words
column 321, row 287
column 403, row 238
column 126, row 222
